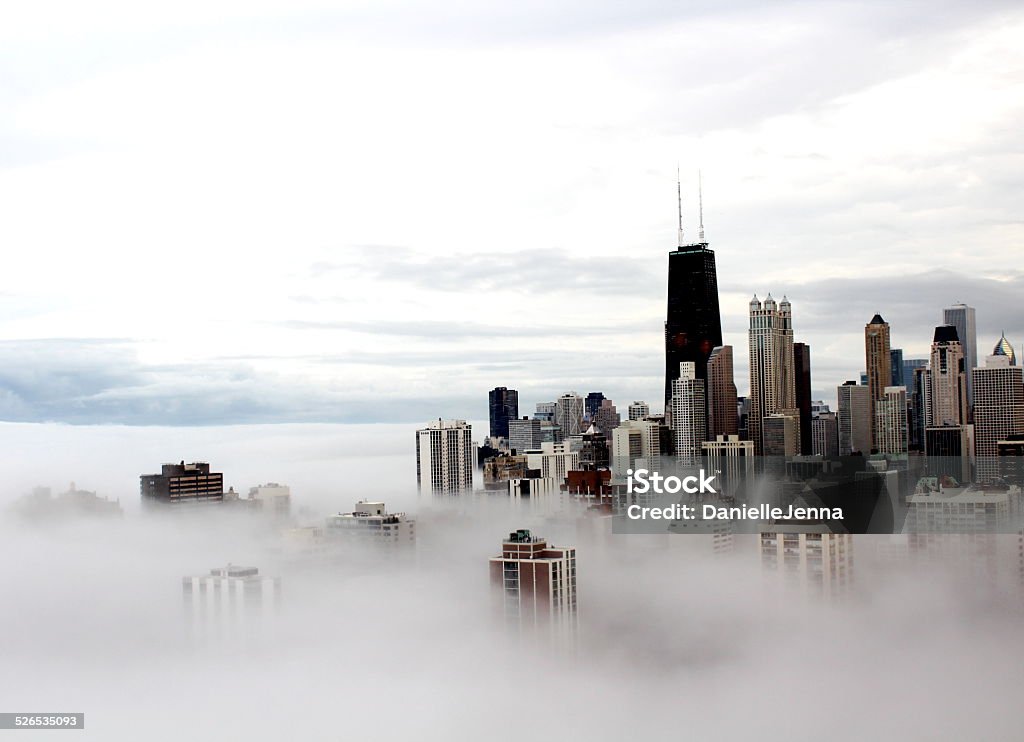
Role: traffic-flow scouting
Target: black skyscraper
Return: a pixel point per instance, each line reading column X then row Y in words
column 693, row 325
column 504, row 407
column 802, row 372
column 593, row 404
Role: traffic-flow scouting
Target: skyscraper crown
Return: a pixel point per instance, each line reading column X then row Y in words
column 1004, row 348
column 946, row 334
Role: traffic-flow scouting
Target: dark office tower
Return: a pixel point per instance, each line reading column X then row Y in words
column 181, row 483
column 802, row 373
column 896, row 356
column 504, row 407
column 693, row 324
column 593, row 403
column 879, row 369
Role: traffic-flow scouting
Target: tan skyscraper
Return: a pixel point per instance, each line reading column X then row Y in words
column 948, row 397
column 879, row 369
column 721, row 394
column 772, row 378
column 891, row 422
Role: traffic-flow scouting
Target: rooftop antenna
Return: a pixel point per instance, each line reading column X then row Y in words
column 700, row 202
column 679, row 198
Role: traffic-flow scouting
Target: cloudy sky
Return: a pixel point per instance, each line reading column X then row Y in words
column 259, row 212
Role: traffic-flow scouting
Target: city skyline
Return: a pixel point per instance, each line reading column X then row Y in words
column 299, row 279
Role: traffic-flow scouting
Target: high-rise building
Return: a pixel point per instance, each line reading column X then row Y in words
column 891, row 422
column 553, row 460
column 607, row 417
column 998, row 410
column 524, row 434
column 182, row 483
column 545, row 411
column 802, row 380
column 370, row 522
column 950, row 451
column 920, row 405
column 721, row 389
column 272, row 497
column 896, row 362
column 537, row 584
column 947, row 397
column 641, row 410
column 730, row 455
column 825, row 435
column 689, row 426
column 961, row 317
column 854, row 419
column 781, row 434
column 504, row 406
column 879, row 368
column 693, row 324
column 229, row 600
column 815, row 563
column 444, row 457
column 569, row 412
column 636, row 440
column 772, row 377
column 593, row 404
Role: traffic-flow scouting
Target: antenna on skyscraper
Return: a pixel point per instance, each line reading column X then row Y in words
column 679, row 198
column 700, row 204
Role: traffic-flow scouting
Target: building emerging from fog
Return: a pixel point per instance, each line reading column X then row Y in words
column 444, row 457
column 272, row 497
column 229, row 599
column 537, row 584
column 816, row 563
column 371, row 522
column 182, row 483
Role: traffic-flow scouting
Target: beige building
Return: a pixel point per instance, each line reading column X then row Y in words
column 722, row 418
column 854, row 419
column 879, row 370
column 815, row 563
column 772, row 376
column 948, row 394
column 998, row 410
column 891, row 432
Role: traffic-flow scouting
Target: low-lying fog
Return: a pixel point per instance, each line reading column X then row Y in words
column 673, row 643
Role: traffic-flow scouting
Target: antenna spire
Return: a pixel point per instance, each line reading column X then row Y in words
column 679, row 198
column 700, row 202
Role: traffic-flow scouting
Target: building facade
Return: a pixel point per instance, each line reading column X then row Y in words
column 444, row 457
column 689, row 406
column 878, row 358
column 721, row 393
column 772, row 377
column 504, row 406
column 182, row 483
column 854, row 419
column 998, row 410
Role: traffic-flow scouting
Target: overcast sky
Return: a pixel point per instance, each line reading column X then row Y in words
column 258, row 212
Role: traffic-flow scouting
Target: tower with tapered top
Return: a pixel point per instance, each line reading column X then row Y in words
column 693, row 323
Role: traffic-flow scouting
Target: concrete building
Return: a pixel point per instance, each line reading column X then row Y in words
column 636, row 443
column 721, row 392
column 524, row 434
column 272, row 497
column 772, row 376
column 689, row 406
column 182, row 483
column 950, row 451
column 553, row 460
column 444, row 457
column 854, row 419
column 781, row 434
column 537, row 585
column 998, row 410
column 370, row 522
column 878, row 358
column 229, row 601
column 815, row 563
column 730, row 455
column 825, row 435
column 948, row 396
column 891, row 436
column 639, row 411
column 606, row 418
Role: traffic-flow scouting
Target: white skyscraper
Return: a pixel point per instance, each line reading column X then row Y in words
column 689, row 414
column 444, row 457
column 854, row 419
column 772, row 376
column 814, row 563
